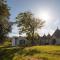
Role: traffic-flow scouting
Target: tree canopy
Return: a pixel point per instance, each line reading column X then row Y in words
column 28, row 24
column 4, row 20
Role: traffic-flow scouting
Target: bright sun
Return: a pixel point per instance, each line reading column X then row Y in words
column 44, row 15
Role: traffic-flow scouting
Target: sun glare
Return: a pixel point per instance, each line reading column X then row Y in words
column 44, row 15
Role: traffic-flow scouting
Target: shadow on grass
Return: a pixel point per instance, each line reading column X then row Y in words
column 31, row 52
column 7, row 54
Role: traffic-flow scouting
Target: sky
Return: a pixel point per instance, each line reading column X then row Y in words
column 48, row 10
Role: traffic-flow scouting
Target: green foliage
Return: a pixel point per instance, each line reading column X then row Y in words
column 28, row 24
column 5, row 26
column 7, row 53
column 4, row 10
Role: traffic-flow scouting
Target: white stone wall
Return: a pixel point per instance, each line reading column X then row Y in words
column 57, row 41
column 16, row 42
column 13, row 42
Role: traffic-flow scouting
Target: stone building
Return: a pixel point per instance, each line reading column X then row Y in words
column 19, row 41
column 56, row 37
column 51, row 40
column 45, row 40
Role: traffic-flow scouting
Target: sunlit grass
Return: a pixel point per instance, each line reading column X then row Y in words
column 39, row 52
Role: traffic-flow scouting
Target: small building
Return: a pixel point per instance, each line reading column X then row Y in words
column 19, row 41
column 51, row 40
column 45, row 40
column 56, row 37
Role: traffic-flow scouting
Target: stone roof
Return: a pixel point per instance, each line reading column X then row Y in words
column 48, row 35
column 56, row 34
column 44, row 36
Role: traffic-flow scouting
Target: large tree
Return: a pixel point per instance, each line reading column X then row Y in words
column 28, row 23
column 4, row 20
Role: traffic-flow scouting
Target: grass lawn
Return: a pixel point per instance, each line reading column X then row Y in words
column 31, row 53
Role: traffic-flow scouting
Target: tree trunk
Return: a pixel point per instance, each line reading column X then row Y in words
column 33, row 37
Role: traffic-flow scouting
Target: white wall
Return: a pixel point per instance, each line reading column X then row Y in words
column 57, row 41
column 13, row 42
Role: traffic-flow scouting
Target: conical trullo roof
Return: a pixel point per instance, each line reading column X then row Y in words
column 48, row 35
column 56, row 33
column 44, row 36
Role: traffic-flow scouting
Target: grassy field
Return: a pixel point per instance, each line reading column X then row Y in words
column 30, row 53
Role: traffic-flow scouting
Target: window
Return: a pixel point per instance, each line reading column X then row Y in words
column 22, row 42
